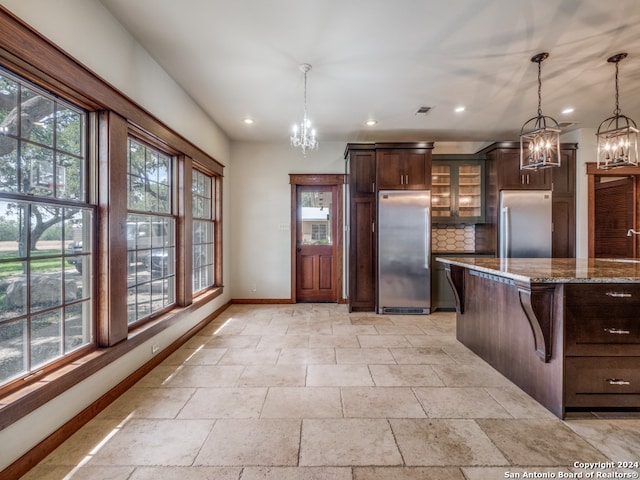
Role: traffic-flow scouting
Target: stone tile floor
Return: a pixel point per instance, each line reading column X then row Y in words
column 309, row 391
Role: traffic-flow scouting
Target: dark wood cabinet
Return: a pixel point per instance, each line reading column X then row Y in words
column 503, row 173
column 585, row 355
column 372, row 167
column 404, row 167
column 362, row 173
column 506, row 159
column 362, row 255
column 563, row 208
column 361, row 168
column 602, row 353
column 457, row 189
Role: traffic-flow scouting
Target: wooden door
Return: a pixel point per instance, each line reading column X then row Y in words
column 316, row 248
column 613, row 217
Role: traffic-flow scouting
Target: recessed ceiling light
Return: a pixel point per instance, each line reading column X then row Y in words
column 567, row 110
column 459, row 109
column 247, row 121
column 371, row 122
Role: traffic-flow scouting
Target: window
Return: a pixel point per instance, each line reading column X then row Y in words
column 202, row 189
column 319, row 231
column 46, row 227
column 151, row 232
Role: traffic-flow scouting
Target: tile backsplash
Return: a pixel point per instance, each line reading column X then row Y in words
column 453, row 238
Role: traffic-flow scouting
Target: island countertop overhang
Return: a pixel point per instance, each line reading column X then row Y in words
column 553, row 270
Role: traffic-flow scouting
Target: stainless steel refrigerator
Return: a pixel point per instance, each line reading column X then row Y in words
column 404, row 251
column 525, row 225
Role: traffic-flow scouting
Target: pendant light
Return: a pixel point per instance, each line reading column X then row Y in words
column 304, row 136
column 540, row 135
column 617, row 135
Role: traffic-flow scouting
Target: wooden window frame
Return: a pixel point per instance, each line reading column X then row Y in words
column 216, row 184
column 113, row 117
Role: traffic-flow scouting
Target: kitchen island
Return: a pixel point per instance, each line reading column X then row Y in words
column 565, row 330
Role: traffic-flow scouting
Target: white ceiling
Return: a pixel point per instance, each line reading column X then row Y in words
column 384, row 59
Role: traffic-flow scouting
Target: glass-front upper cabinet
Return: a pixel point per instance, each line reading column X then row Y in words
column 457, row 190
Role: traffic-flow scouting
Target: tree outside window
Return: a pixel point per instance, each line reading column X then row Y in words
column 46, row 226
column 151, row 236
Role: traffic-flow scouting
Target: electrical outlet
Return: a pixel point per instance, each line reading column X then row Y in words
column 155, row 349
column 253, row 287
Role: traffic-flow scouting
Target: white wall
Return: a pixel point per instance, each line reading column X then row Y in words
column 261, row 202
column 85, row 30
column 261, row 211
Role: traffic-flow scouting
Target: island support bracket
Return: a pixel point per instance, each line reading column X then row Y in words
column 538, row 305
column 455, row 277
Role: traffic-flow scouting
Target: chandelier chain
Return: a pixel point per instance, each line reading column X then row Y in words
column 617, row 110
column 305, row 95
column 539, row 89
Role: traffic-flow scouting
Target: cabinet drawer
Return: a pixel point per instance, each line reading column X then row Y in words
column 602, row 319
column 603, row 331
column 602, row 381
column 578, row 296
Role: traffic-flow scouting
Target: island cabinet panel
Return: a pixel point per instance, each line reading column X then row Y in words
column 602, row 366
column 566, row 331
column 495, row 327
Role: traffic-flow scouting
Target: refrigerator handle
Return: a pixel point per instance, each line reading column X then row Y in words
column 427, row 238
column 504, row 239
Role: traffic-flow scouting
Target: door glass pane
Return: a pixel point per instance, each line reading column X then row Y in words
column 315, row 217
column 441, row 192
column 470, row 193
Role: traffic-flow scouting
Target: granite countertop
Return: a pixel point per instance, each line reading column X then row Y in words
column 554, row 270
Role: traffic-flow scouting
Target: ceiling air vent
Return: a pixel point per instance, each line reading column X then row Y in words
column 423, row 110
column 566, row 124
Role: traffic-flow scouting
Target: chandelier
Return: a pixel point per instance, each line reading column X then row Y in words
column 617, row 135
column 303, row 135
column 540, row 135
